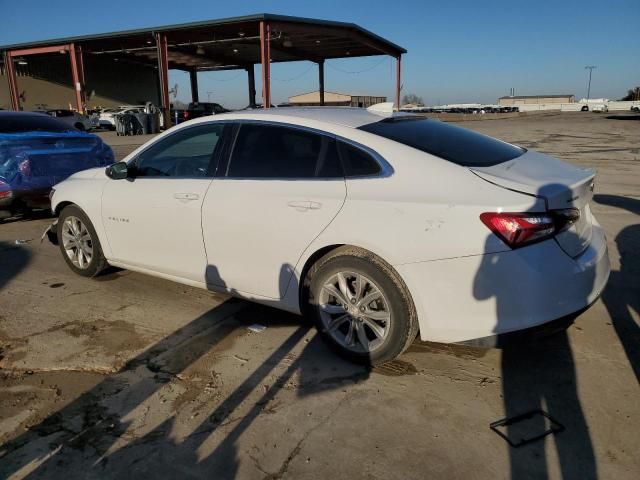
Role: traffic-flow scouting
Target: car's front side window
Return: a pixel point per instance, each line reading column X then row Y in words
column 280, row 152
column 187, row 153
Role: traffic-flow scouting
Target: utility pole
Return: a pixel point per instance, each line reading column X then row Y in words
column 590, row 68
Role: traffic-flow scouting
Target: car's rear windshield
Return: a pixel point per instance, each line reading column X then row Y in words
column 35, row 122
column 458, row 145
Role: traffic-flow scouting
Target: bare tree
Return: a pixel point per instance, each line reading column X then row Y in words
column 412, row 98
column 632, row 94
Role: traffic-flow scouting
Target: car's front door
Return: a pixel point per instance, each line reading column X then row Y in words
column 153, row 220
column 280, row 188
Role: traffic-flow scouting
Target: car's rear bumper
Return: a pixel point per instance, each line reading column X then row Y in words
column 470, row 298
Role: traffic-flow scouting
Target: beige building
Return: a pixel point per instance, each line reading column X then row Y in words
column 535, row 99
column 335, row 99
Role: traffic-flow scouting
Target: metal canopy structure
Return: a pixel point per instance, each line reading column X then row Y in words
column 225, row 44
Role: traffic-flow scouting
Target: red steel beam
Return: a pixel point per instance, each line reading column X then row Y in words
column 38, row 50
column 398, row 80
column 265, row 58
column 12, row 81
column 163, row 74
column 75, row 77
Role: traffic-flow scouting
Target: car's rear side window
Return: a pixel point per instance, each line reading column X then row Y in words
column 458, row 145
column 357, row 162
column 273, row 151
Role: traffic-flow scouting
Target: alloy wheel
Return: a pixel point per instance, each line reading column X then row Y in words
column 77, row 242
column 354, row 312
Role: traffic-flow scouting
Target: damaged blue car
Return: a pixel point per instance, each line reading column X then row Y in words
column 38, row 151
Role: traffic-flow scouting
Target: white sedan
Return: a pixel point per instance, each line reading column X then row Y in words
column 376, row 227
column 106, row 119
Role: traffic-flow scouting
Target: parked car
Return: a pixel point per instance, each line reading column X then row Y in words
column 600, row 108
column 201, row 109
column 72, row 118
column 38, row 151
column 375, row 226
column 106, row 118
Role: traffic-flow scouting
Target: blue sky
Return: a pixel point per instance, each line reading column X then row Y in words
column 458, row 51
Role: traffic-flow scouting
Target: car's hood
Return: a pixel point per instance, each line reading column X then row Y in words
column 90, row 173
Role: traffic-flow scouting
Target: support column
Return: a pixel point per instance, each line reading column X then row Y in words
column 12, row 81
column 252, row 85
column 321, row 81
column 193, row 78
column 265, row 58
column 83, row 83
column 398, row 80
column 75, row 77
column 163, row 76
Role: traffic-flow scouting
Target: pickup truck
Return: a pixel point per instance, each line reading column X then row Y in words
column 201, row 109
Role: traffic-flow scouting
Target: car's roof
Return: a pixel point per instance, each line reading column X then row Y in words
column 345, row 116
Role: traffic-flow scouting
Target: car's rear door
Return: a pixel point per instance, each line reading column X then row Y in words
column 281, row 187
column 153, row 221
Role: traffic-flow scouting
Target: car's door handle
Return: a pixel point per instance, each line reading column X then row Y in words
column 300, row 206
column 186, row 196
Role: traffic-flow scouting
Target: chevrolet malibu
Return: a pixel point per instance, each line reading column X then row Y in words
column 375, row 225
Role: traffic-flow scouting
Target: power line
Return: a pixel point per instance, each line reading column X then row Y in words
column 294, row 77
column 227, row 79
column 358, row 71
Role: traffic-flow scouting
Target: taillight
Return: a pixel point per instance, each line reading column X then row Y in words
column 185, row 115
column 520, row 229
column 5, row 190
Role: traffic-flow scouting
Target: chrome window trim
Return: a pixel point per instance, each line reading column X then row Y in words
column 386, row 170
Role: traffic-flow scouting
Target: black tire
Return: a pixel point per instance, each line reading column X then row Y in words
column 584, row 109
column 98, row 262
column 80, row 126
column 403, row 323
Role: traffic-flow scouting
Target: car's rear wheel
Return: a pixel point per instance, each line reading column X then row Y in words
column 79, row 242
column 360, row 306
column 80, row 126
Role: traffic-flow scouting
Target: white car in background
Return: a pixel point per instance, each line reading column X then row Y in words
column 72, row 118
column 376, row 227
column 106, row 117
column 599, row 108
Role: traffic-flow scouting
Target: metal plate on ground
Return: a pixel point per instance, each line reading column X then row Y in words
column 526, row 428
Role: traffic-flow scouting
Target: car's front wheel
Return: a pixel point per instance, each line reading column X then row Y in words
column 360, row 306
column 79, row 242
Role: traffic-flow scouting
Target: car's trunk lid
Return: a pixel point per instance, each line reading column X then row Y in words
column 561, row 185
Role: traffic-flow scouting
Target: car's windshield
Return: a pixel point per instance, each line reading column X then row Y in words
column 23, row 122
column 449, row 142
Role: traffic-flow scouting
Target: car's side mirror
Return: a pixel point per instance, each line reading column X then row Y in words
column 118, row 171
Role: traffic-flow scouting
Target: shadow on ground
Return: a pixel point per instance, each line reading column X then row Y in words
column 622, row 294
column 623, row 117
column 14, row 259
column 95, row 437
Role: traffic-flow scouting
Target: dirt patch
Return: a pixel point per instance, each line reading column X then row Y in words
column 460, row 351
column 114, row 337
column 28, row 398
column 395, row 368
